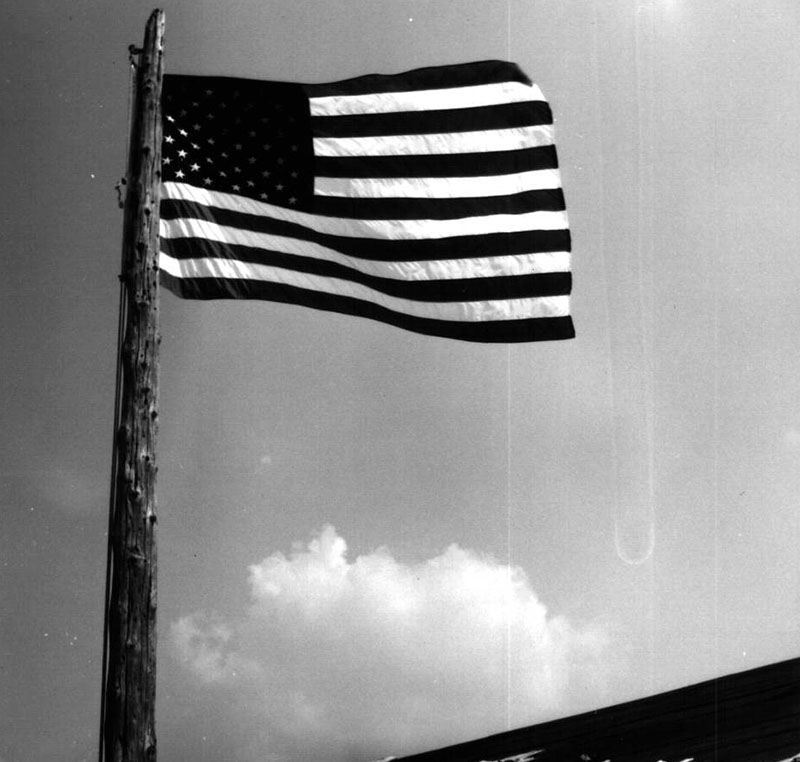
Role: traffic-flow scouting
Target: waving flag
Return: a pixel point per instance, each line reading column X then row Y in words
column 429, row 200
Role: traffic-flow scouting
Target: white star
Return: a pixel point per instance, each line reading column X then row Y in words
column 169, row 139
column 194, row 167
column 179, row 174
column 207, row 180
column 182, row 153
column 236, row 187
column 183, row 132
column 170, row 119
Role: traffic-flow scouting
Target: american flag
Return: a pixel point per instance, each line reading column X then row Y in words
column 430, row 200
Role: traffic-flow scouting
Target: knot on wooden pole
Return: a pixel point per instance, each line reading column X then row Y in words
column 120, row 196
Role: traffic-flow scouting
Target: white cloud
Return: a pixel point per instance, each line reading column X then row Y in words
column 360, row 659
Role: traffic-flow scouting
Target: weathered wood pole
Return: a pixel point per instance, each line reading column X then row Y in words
column 129, row 711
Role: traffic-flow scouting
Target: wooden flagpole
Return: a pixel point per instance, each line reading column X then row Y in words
column 129, row 695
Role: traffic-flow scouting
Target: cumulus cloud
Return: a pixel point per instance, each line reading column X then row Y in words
column 338, row 659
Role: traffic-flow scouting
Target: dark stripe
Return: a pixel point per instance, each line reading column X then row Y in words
column 186, row 87
column 459, row 75
column 439, row 165
column 456, row 247
column 505, row 331
column 498, row 117
column 453, row 290
column 438, row 208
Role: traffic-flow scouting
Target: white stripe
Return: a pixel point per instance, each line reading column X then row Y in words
column 425, row 100
column 425, row 270
column 484, row 311
column 437, row 187
column 382, row 229
column 478, row 141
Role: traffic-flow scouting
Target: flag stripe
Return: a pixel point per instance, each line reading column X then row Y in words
column 417, row 90
column 439, row 165
column 523, row 330
column 387, row 229
column 437, row 143
column 178, row 236
column 459, row 311
column 475, row 73
column 521, row 114
column 519, row 242
column 414, row 210
column 437, row 187
column 464, row 289
column 392, row 102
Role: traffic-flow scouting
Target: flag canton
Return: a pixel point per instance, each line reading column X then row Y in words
column 242, row 137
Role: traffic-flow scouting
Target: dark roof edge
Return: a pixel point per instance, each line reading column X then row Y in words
column 756, row 712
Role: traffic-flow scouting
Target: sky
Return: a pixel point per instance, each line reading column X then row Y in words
column 373, row 543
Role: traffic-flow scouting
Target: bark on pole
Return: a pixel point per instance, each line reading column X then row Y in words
column 129, row 711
